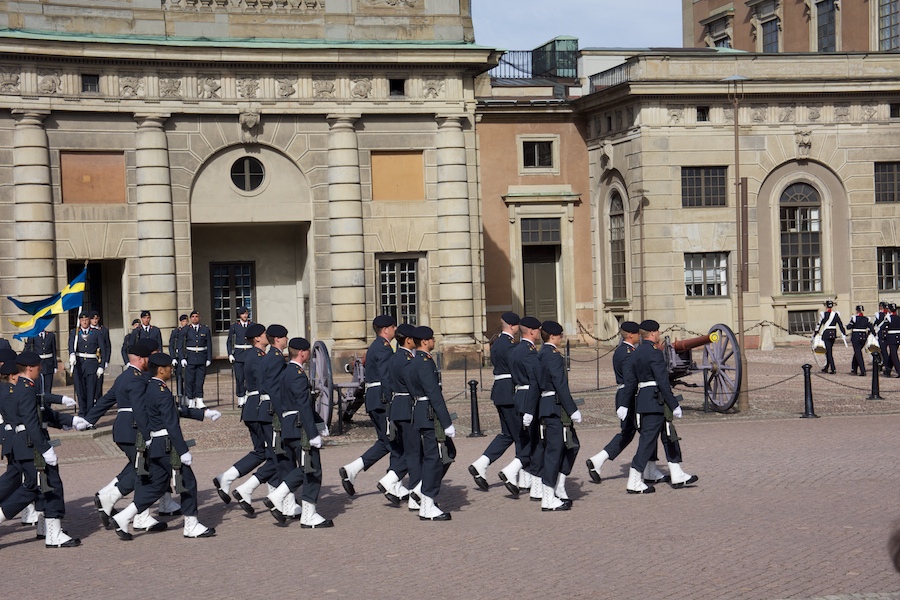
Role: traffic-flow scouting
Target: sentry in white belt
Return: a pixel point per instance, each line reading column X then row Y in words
column 502, row 376
column 644, row 384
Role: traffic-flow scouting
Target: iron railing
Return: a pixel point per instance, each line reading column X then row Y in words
column 617, row 75
column 537, row 64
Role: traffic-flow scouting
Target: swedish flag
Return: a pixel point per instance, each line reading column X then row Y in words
column 44, row 311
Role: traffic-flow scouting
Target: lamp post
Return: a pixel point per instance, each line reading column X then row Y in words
column 735, row 94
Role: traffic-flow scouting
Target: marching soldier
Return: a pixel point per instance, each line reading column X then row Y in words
column 860, row 328
column 302, row 441
column 196, row 356
column 163, row 429
column 105, row 351
column 502, row 394
column 429, row 414
column 556, row 413
column 405, row 436
column 175, row 350
column 237, row 345
column 86, row 358
column 648, row 378
column 44, row 345
column 377, row 357
column 892, row 339
column 148, row 331
column 829, row 322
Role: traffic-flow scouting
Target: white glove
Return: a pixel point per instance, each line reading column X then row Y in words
column 231, row 358
column 71, row 362
column 147, row 443
column 69, row 402
column 50, row 457
column 316, row 442
column 622, row 412
column 186, row 458
column 677, row 412
column 450, row 431
column 325, row 432
column 80, row 423
column 211, row 414
column 99, row 371
column 55, row 371
column 209, row 362
column 183, row 363
column 576, row 416
column 174, row 362
column 242, row 401
column 527, row 419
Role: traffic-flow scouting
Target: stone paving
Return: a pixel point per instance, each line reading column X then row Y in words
column 785, row 508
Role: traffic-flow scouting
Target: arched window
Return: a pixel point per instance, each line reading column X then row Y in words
column 801, row 248
column 617, row 246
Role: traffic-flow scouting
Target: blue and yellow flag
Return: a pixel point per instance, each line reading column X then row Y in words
column 44, row 311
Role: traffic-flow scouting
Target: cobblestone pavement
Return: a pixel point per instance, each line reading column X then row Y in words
column 785, row 508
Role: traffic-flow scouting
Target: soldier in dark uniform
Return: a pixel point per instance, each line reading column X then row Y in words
column 175, row 350
column 105, row 351
column 9, row 375
column 163, row 429
column 237, row 345
column 406, row 438
column 85, row 346
column 829, row 322
column 256, row 335
column 196, row 356
column 377, row 357
column 502, row 397
column 892, row 339
column 4, row 344
column 130, row 339
column 523, row 365
column 556, row 413
column 28, row 419
column 148, row 331
column 44, row 345
column 302, row 440
column 647, row 377
column 860, row 328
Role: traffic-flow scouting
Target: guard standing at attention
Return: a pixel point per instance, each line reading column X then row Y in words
column 175, row 350
column 85, row 360
column 196, row 356
column 502, row 395
column 860, row 328
column 237, row 345
column 44, row 345
column 105, row 351
column 892, row 339
column 130, row 339
column 829, row 322
column 148, row 331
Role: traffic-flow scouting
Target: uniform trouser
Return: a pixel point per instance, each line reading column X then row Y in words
column 178, row 374
column 510, row 426
column 858, row 363
column 651, row 426
column 432, row 467
column 621, row 440
column 257, row 456
column 85, row 376
column 157, row 483
column 54, row 502
column 536, row 449
column 382, row 445
column 829, row 355
column 412, row 450
column 895, row 361
column 398, row 456
column 312, row 482
column 268, row 472
column 194, row 376
column 671, row 446
column 98, row 390
column 885, row 354
column 525, row 442
column 10, row 480
column 557, row 457
column 47, row 381
column 128, row 479
column 237, row 369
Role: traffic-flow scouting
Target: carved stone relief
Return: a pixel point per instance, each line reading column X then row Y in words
column 9, row 80
column 170, row 86
column 676, row 115
column 869, row 112
column 433, row 88
column 286, row 86
column 323, row 86
column 208, row 87
column 815, row 112
column 786, row 114
column 49, row 82
column 729, row 114
column 249, row 127
column 360, row 87
column 804, row 143
column 842, row 113
column 130, row 85
column 408, row 3
column 247, row 87
column 758, row 114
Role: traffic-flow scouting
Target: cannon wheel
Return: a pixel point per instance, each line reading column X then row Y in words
column 322, row 381
column 722, row 369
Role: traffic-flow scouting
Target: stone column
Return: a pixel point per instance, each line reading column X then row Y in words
column 454, row 255
column 35, row 235
column 155, row 265
column 348, row 284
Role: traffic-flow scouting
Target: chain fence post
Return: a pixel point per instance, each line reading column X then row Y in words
column 809, row 411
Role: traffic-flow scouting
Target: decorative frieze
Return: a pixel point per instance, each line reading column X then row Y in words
column 9, row 80
column 433, row 87
column 360, row 87
column 170, row 86
column 246, row 6
column 247, row 87
column 49, row 82
column 131, row 85
column 323, row 87
column 208, row 87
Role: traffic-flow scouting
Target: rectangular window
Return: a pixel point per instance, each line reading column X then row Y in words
column 706, row 274
column 397, row 87
column 232, row 285
column 802, row 322
column 888, row 24
column 889, row 269
column 801, row 254
column 539, row 232
column 887, row 182
column 703, row 186
column 538, row 155
column 826, row 26
column 617, row 255
column 770, row 36
column 895, row 111
column 398, row 289
column 702, row 114
column 90, row 84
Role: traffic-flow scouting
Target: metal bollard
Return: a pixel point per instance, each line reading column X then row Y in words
column 568, row 357
column 476, row 421
column 876, row 372
column 809, row 411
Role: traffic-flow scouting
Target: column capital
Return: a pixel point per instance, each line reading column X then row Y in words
column 151, row 119
column 29, row 116
column 451, row 120
column 343, row 121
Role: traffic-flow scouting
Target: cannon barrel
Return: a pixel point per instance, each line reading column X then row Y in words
column 691, row 343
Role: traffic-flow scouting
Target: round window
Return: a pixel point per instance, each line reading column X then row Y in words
column 247, row 173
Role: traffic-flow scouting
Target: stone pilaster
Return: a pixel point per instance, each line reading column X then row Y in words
column 348, row 285
column 35, row 235
column 454, row 255
column 155, row 267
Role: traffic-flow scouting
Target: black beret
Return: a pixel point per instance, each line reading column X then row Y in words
column 141, row 348
column 136, row 322
column 242, row 310
column 423, row 333
column 829, row 303
column 530, row 323
column 183, row 318
column 892, row 307
column 630, row 327
column 649, row 325
column 552, row 327
column 510, row 318
column 384, row 321
column 277, row 331
column 299, row 343
column 8, row 367
column 7, row 355
column 195, row 312
column 28, row 359
column 145, row 313
column 406, row 330
column 84, row 315
column 255, row 330
column 153, row 345
column 859, row 308
column 160, row 359
column 93, row 314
